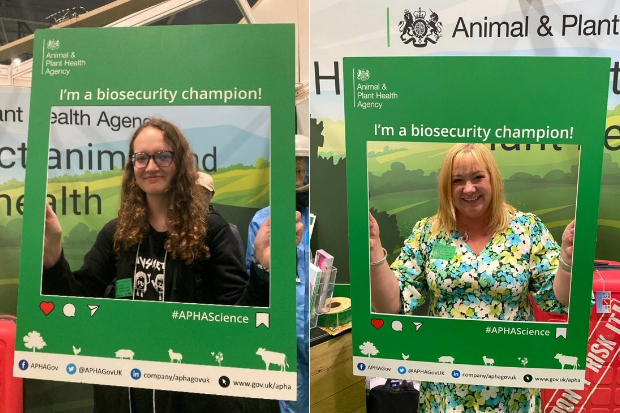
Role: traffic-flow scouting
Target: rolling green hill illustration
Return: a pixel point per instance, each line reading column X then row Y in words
column 243, row 187
column 535, row 160
column 85, row 203
column 403, row 177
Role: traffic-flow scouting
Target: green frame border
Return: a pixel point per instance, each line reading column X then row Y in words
column 461, row 92
column 175, row 58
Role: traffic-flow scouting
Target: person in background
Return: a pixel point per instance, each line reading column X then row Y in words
column 206, row 181
column 255, row 254
column 476, row 258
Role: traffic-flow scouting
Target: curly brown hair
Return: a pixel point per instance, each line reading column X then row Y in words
column 187, row 225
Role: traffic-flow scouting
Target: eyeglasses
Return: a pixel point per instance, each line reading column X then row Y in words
column 161, row 159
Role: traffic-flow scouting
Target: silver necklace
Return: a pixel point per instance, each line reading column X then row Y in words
column 465, row 236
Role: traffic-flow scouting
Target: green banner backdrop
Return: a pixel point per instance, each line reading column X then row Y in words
column 408, row 111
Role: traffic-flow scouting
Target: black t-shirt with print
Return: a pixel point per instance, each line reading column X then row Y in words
column 221, row 279
column 149, row 280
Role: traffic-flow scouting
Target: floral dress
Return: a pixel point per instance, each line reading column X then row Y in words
column 491, row 285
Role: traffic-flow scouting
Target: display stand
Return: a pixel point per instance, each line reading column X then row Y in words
column 321, row 302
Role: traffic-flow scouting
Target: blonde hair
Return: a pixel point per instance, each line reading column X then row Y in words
column 445, row 219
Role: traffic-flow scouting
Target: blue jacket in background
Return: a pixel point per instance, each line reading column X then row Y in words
column 303, row 305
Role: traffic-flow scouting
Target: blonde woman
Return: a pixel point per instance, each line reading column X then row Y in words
column 464, row 259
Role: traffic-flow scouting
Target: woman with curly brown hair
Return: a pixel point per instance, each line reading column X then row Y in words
column 148, row 185
column 163, row 246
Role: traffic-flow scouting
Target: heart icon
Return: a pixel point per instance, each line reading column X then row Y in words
column 46, row 307
column 377, row 323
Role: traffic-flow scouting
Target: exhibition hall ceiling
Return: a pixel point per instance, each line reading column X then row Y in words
column 20, row 18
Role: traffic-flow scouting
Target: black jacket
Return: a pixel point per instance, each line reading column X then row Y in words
column 221, row 279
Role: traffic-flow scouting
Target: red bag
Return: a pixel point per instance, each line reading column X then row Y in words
column 602, row 393
column 11, row 388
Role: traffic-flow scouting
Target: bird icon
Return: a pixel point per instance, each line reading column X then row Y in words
column 76, row 351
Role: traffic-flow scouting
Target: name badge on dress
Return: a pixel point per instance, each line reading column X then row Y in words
column 443, row 252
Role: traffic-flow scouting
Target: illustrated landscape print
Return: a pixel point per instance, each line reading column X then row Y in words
column 237, row 121
column 550, row 165
column 402, row 184
column 231, row 143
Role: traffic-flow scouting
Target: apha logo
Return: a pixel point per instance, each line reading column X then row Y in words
column 53, row 44
column 416, row 30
